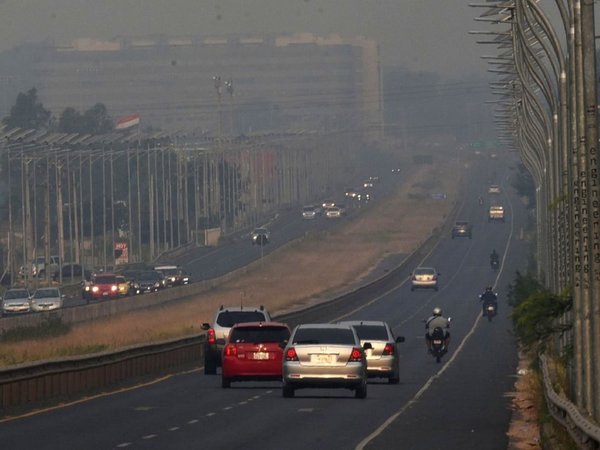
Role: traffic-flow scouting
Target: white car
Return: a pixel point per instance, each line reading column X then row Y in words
column 309, row 212
column 16, row 301
column 424, row 278
column 325, row 356
column 47, row 299
column 333, row 212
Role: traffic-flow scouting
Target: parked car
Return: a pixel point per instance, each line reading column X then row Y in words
column 225, row 318
column 15, row 301
column 424, row 278
column 260, row 236
column 68, row 271
column 382, row 359
column 254, row 351
column 325, row 356
column 174, row 275
column 462, row 228
column 47, row 299
column 39, row 267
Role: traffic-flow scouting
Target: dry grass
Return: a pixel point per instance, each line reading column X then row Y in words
column 294, row 276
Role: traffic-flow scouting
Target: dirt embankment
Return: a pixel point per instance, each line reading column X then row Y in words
column 309, row 269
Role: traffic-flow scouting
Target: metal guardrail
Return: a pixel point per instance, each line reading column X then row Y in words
column 582, row 429
column 27, row 385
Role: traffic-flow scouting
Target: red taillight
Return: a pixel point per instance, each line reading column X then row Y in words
column 291, row 355
column 388, row 349
column 230, row 350
column 210, row 336
column 355, row 355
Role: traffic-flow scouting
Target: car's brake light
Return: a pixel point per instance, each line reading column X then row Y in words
column 355, row 355
column 388, row 349
column 230, row 350
column 291, row 355
column 211, row 337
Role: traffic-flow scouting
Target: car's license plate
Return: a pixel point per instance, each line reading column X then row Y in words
column 260, row 355
column 437, row 342
column 322, row 359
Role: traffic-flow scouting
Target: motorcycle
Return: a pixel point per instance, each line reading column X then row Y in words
column 495, row 264
column 438, row 344
column 489, row 311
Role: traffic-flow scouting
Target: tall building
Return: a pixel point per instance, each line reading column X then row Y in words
column 219, row 85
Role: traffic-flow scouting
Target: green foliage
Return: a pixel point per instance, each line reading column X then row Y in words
column 95, row 120
column 523, row 287
column 28, row 112
column 51, row 327
column 536, row 319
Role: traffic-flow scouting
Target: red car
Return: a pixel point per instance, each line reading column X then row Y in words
column 254, row 352
column 104, row 285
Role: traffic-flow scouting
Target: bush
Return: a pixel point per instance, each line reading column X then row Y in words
column 51, row 327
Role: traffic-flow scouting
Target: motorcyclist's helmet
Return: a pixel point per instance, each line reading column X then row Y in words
column 488, row 289
column 437, row 311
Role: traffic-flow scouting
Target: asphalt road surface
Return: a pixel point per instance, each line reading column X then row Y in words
column 459, row 404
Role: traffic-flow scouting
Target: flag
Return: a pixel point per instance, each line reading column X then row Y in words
column 127, row 121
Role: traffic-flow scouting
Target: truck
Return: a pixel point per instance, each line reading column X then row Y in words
column 496, row 214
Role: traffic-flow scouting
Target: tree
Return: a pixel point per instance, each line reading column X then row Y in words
column 28, row 112
column 94, row 121
column 70, row 121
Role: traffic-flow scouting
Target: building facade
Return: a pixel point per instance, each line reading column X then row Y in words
column 216, row 85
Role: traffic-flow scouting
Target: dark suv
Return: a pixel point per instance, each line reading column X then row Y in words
column 461, row 228
column 216, row 335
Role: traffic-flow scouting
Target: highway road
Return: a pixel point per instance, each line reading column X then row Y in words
column 460, row 403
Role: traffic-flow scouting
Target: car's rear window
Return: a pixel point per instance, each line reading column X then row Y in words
column 260, row 334
column 424, row 271
column 230, row 318
column 324, row 336
column 373, row 332
column 46, row 293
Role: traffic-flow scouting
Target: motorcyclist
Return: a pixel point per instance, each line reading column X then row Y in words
column 437, row 320
column 488, row 298
column 480, row 200
column 494, row 257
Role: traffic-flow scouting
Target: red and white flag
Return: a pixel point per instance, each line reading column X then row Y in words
column 127, row 122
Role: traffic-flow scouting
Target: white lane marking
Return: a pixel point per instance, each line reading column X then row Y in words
column 227, row 408
column 308, row 410
column 143, row 408
column 150, row 436
column 173, row 428
column 124, row 444
column 361, row 445
column 210, row 414
column 269, row 392
column 242, row 403
column 193, row 421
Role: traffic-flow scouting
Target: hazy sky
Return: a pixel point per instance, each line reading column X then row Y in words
column 429, row 35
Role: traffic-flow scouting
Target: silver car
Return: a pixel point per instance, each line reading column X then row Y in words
column 424, row 278
column 382, row 358
column 16, row 301
column 325, row 356
column 47, row 299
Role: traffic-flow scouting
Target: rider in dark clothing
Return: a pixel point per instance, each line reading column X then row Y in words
column 487, row 298
column 494, row 256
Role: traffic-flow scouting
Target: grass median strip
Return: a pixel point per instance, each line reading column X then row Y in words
column 311, row 269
